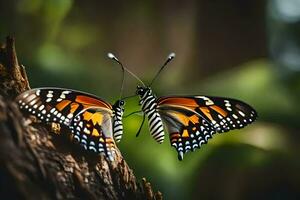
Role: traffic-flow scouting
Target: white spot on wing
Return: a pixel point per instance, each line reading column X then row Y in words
column 207, row 100
column 38, row 92
column 66, row 92
column 241, row 113
column 41, row 107
column 33, row 102
column 63, row 96
column 25, row 95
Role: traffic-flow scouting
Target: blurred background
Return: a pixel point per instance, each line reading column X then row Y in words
column 245, row 49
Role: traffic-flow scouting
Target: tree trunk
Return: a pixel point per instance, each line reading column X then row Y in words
column 37, row 162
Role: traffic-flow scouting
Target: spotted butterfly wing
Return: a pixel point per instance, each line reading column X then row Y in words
column 88, row 117
column 92, row 128
column 192, row 121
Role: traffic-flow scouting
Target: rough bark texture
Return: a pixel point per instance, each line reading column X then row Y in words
column 38, row 162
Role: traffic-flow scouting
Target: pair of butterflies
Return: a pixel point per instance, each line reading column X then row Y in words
column 96, row 124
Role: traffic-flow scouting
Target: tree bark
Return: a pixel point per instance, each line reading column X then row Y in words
column 38, row 162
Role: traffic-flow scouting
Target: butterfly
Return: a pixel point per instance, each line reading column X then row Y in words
column 94, row 123
column 190, row 120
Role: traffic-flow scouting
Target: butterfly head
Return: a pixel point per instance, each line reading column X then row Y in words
column 119, row 105
column 142, row 90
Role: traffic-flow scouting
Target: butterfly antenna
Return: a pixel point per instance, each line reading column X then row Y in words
column 111, row 56
column 170, row 57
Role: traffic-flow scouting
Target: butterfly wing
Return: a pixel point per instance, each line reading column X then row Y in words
column 92, row 128
column 58, row 105
column 191, row 121
column 187, row 130
column 64, row 106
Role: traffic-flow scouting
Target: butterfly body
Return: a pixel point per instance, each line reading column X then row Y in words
column 118, row 112
column 149, row 107
column 192, row 120
column 92, row 121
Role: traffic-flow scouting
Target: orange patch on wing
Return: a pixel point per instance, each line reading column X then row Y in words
column 92, row 101
column 185, row 133
column 74, row 107
column 219, row 110
column 95, row 133
column 179, row 101
column 97, row 118
column 87, row 115
column 61, row 105
column 206, row 111
column 194, row 119
column 182, row 118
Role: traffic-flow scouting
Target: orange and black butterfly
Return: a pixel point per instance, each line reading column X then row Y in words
column 191, row 120
column 94, row 123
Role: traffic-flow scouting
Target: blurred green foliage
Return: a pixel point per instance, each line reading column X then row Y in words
column 63, row 43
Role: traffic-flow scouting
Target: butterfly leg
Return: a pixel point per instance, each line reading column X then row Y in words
column 141, row 126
